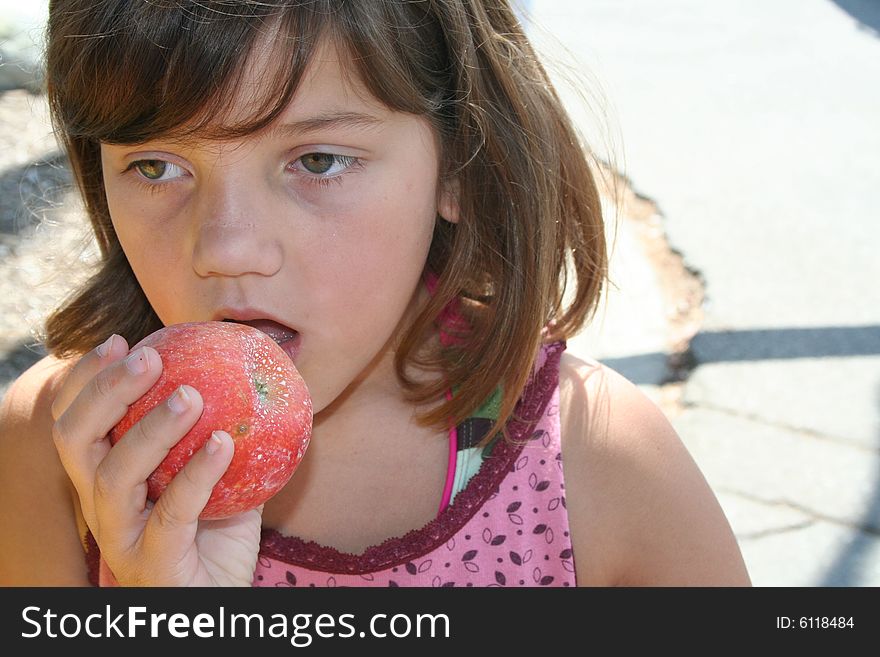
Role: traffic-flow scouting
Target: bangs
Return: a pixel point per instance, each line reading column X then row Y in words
column 145, row 70
column 173, row 69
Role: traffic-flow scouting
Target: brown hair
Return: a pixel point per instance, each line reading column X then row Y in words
column 125, row 72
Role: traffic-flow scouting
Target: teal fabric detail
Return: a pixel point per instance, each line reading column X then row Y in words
column 469, row 460
column 491, row 406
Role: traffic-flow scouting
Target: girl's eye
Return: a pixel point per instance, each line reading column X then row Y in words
column 157, row 170
column 324, row 164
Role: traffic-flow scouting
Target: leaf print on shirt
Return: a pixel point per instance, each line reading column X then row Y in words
column 567, row 561
column 289, row 580
column 514, row 517
column 438, row 583
column 468, row 559
column 520, row 559
column 536, row 485
column 542, row 580
column 412, row 569
column 545, row 440
column 493, row 540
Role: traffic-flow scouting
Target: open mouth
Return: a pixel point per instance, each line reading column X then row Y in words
column 286, row 337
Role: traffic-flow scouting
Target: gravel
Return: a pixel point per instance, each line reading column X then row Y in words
column 45, row 246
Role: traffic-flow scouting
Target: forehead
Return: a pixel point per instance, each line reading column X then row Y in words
column 329, row 84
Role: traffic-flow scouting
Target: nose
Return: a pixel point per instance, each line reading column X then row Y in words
column 233, row 236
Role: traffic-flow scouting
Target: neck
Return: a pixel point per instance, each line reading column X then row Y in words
column 378, row 384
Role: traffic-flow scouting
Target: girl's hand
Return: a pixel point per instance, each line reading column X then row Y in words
column 144, row 544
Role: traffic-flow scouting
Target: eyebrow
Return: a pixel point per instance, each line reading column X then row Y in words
column 330, row 121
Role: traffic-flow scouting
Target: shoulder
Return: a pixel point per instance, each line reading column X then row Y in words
column 35, row 388
column 26, row 409
column 641, row 512
column 40, row 542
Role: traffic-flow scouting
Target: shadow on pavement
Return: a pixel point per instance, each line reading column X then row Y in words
column 760, row 344
column 866, row 12
column 785, row 343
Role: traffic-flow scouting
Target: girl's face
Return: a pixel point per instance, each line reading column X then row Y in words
column 322, row 224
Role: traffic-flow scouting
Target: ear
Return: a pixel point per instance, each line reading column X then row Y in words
column 447, row 204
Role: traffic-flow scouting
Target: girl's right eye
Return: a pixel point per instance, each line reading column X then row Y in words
column 156, row 170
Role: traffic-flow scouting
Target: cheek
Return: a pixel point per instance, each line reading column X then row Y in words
column 390, row 237
column 153, row 248
column 136, row 224
column 369, row 263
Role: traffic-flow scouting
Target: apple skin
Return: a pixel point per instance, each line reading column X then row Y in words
column 250, row 388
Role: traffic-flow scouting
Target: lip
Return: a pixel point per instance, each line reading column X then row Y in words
column 248, row 314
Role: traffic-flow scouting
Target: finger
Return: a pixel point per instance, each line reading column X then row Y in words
column 176, row 513
column 81, row 432
column 106, row 353
column 121, row 477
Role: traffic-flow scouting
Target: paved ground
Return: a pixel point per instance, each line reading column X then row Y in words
column 744, row 265
column 752, row 127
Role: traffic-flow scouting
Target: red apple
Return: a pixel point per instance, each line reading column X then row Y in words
column 250, row 389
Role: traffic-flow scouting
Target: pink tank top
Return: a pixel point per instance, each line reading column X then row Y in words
column 508, row 526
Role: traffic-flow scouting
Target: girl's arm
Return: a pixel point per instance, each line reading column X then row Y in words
column 39, row 540
column 641, row 512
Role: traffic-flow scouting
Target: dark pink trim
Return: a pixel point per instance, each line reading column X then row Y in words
column 311, row 555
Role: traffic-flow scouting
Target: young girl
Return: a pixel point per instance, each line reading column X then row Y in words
column 393, row 190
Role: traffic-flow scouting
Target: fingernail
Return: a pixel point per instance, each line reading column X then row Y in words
column 214, row 443
column 136, row 363
column 104, row 348
column 179, row 402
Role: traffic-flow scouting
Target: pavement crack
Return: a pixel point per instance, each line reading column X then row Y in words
column 774, row 531
column 784, row 426
column 813, row 516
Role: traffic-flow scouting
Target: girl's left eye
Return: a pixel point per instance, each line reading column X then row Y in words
column 157, row 170
column 325, row 164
